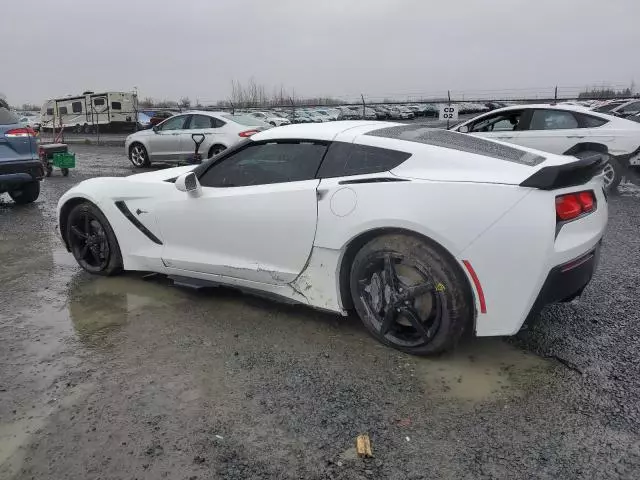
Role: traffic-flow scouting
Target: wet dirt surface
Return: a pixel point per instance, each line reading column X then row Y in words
column 125, row 377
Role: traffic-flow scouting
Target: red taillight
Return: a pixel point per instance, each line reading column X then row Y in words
column 573, row 205
column 248, row 133
column 20, row 132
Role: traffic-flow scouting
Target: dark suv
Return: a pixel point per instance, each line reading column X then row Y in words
column 20, row 168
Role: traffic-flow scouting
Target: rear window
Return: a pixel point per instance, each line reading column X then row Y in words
column 345, row 159
column 246, row 120
column 7, row 117
column 63, row 110
column 608, row 107
column 460, row 142
column 589, row 121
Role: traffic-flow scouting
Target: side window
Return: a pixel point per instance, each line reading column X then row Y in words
column 98, row 102
column 344, row 159
column 116, row 106
column 217, row 123
column 499, row 122
column 589, row 121
column 633, row 107
column 62, row 110
column 49, row 111
column 266, row 163
column 552, row 120
column 173, row 123
column 76, row 107
column 200, row 121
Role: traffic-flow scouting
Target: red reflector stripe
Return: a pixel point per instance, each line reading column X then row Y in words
column 476, row 282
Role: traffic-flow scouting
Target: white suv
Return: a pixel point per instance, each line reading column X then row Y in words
column 566, row 130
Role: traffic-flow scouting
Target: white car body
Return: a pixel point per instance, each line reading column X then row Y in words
column 172, row 140
column 270, row 118
column 290, row 239
column 615, row 136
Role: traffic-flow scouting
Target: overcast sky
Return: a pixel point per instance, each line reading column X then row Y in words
column 172, row 48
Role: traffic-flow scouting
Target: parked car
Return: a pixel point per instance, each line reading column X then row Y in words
column 564, row 130
column 31, row 121
column 418, row 278
column 330, row 113
column 159, row 116
column 270, row 118
column 346, row 113
column 171, row 140
column 20, row 167
column 620, row 108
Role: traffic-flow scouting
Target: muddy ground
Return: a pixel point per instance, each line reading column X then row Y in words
column 131, row 378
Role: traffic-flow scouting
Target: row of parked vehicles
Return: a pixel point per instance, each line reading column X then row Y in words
column 284, row 116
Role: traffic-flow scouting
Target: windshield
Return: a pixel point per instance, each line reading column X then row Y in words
column 7, row 117
column 246, row 120
column 608, row 107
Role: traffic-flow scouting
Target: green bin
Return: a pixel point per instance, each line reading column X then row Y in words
column 64, row 160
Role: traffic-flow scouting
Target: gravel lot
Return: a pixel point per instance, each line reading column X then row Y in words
column 123, row 378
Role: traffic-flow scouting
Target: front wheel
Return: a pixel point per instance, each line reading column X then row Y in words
column 28, row 193
column 92, row 240
column 410, row 294
column 138, row 156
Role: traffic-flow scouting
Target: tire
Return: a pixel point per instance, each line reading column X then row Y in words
column 28, row 193
column 92, row 241
column 65, row 172
column 613, row 171
column 77, row 129
column 139, row 156
column 86, row 128
column 428, row 304
column 215, row 150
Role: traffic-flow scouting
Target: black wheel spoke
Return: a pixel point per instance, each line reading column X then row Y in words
column 87, row 228
column 77, row 232
column 387, row 321
column 390, row 273
column 416, row 290
column 414, row 318
column 83, row 252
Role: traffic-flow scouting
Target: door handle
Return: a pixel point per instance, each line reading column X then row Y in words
column 505, row 137
column 575, row 136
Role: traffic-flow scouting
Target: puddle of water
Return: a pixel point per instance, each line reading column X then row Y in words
column 481, row 369
column 105, row 303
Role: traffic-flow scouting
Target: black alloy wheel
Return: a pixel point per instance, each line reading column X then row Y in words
column 401, row 299
column 92, row 241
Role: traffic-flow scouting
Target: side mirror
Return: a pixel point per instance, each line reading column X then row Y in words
column 188, row 182
column 463, row 129
column 155, row 128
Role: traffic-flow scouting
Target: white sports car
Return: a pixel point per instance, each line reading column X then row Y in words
column 424, row 233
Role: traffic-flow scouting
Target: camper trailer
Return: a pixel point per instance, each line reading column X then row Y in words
column 108, row 111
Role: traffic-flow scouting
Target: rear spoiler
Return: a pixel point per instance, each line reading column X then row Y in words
column 567, row 175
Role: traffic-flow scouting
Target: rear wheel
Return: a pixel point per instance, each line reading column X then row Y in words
column 138, row 156
column 92, row 241
column 410, row 295
column 28, row 193
column 215, row 150
column 612, row 171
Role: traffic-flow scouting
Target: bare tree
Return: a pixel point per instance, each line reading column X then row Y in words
column 184, row 102
column 147, row 102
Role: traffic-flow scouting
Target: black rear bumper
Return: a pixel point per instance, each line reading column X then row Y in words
column 567, row 281
column 19, row 172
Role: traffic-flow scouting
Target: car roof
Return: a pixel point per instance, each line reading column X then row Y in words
column 318, row 131
column 558, row 106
